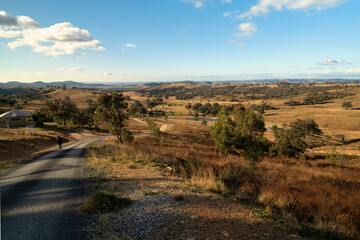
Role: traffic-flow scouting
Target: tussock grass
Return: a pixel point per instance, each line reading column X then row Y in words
column 103, row 202
column 313, row 192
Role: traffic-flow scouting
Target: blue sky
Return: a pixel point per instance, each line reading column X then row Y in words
column 174, row 40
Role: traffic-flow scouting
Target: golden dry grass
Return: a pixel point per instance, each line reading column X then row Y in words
column 312, row 190
column 21, row 144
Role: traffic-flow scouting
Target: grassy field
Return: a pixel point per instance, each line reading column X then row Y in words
column 20, row 144
column 314, row 195
column 319, row 191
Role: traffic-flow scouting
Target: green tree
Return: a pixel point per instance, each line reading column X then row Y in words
column 244, row 131
column 248, row 131
column 61, row 110
column 223, row 131
column 111, row 108
column 288, row 141
column 137, row 109
column 307, row 126
column 248, row 124
column 155, row 130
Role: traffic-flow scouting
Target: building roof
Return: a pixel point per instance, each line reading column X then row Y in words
column 15, row 113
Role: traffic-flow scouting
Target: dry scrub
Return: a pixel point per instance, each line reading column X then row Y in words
column 311, row 191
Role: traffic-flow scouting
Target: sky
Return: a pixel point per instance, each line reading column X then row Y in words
column 175, row 40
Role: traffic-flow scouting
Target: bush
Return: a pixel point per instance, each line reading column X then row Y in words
column 127, row 135
column 104, row 202
column 155, row 130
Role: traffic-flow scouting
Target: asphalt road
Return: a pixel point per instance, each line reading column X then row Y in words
column 39, row 199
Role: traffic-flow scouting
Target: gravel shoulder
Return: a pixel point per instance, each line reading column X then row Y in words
column 166, row 207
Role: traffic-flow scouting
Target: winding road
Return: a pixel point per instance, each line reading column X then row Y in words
column 39, row 199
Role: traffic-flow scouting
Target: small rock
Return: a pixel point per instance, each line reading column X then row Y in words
column 293, row 235
column 192, row 238
column 194, row 216
column 266, row 234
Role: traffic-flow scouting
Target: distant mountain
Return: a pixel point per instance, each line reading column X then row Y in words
column 44, row 84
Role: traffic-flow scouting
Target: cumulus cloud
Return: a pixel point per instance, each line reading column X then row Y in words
column 247, row 29
column 27, row 22
column 7, row 20
column 130, row 45
column 226, row 1
column 71, row 69
column 196, row 3
column 58, row 39
column 10, row 33
column 266, row 6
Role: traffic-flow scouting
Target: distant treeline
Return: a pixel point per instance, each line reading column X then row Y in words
column 12, row 96
column 244, row 92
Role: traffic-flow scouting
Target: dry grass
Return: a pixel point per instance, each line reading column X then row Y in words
column 313, row 191
column 19, row 144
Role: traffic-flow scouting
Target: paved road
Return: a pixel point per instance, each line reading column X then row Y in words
column 39, row 199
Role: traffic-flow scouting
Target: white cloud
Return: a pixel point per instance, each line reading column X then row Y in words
column 10, row 33
column 58, row 39
column 231, row 14
column 227, row 14
column 197, row 3
column 71, row 69
column 266, row 6
column 116, row 74
column 327, row 72
column 130, row 45
column 226, row 1
column 27, row 22
column 353, row 71
column 240, row 44
column 7, row 20
column 343, row 62
column 247, row 29
column 329, row 62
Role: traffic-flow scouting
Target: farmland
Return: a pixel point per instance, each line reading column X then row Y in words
column 283, row 186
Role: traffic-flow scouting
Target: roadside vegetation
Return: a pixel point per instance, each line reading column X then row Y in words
column 292, row 149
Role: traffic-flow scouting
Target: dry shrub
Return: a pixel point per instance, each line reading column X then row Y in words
column 103, row 202
column 327, row 197
column 313, row 192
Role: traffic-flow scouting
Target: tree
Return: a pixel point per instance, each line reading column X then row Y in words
column 346, row 105
column 248, row 131
column 307, row 126
column 223, row 131
column 155, row 130
column 248, row 125
column 111, row 108
column 60, row 110
column 244, row 131
column 288, row 141
column 137, row 109
column 39, row 117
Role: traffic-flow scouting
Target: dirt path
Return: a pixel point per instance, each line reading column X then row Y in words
column 167, row 208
